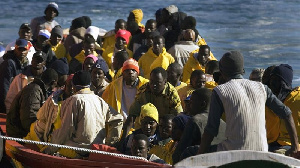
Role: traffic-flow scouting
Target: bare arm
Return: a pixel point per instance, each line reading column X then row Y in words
column 206, row 140
column 290, row 126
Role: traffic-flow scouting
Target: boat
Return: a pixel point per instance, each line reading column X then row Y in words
column 26, row 155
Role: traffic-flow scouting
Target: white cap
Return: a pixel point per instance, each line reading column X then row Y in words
column 45, row 33
column 93, row 30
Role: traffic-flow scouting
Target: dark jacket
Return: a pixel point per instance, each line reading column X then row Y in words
column 10, row 68
column 24, row 108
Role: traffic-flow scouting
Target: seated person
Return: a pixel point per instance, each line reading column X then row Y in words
column 197, row 79
column 174, row 75
column 88, row 48
column 199, row 105
column 211, row 67
column 166, row 151
column 89, row 62
column 140, row 146
column 149, row 122
column 99, row 77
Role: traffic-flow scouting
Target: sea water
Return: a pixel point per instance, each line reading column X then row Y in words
column 266, row 32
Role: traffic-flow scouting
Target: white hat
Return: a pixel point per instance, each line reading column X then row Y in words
column 93, row 30
column 45, row 33
column 172, row 9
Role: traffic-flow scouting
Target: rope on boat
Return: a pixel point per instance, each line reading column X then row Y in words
column 71, row 147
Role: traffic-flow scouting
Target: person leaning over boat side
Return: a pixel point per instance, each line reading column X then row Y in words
column 24, row 33
column 243, row 102
column 197, row 61
column 48, row 116
column 281, row 86
column 14, row 63
column 32, row 71
column 120, row 93
column 158, row 92
column 45, row 22
column 26, row 104
column 85, row 119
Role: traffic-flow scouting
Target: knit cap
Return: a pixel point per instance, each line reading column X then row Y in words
column 124, row 34
column 131, row 64
column 61, row 66
column 149, row 110
column 82, row 78
column 45, row 33
column 232, row 63
column 92, row 56
column 94, row 31
column 52, row 5
column 101, row 64
column 285, row 72
column 57, row 30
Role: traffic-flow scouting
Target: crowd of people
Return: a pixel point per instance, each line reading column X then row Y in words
column 154, row 91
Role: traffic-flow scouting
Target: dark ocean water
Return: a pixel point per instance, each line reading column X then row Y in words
column 266, row 32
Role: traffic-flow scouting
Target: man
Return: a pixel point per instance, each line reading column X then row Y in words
column 122, row 39
column 158, row 92
column 56, row 42
column 85, row 119
column 62, row 68
column 281, row 86
column 182, row 49
column 45, row 22
column 141, row 39
column 243, row 102
column 156, row 56
column 199, row 107
column 32, row 71
column 43, row 45
column 14, row 63
column 109, row 37
column 197, row 61
column 174, row 75
column 257, row 74
column 24, row 33
column 121, row 92
column 118, row 61
column 144, row 48
column 27, row 103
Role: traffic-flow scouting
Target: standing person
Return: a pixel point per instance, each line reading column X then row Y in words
column 109, row 37
column 182, row 49
column 14, row 63
column 197, row 61
column 120, row 93
column 32, row 71
column 158, row 92
column 243, row 102
column 281, row 86
column 45, row 22
column 24, row 33
column 85, row 119
column 27, row 103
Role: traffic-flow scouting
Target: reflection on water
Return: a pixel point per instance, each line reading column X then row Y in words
column 266, row 32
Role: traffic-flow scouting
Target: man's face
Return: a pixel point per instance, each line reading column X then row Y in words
column 25, row 34
column 157, row 83
column 198, row 82
column 172, row 76
column 97, row 76
column 139, row 148
column 165, row 129
column 55, row 39
column 37, row 65
column 203, row 56
column 150, row 27
column 130, row 75
column 158, row 46
column 150, row 42
column 275, row 84
column 21, row 53
column 120, row 43
column 148, row 126
column 88, row 63
column 51, row 13
column 88, row 48
column 120, row 26
column 42, row 40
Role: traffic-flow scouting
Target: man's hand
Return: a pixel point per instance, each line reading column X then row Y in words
column 293, row 152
